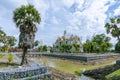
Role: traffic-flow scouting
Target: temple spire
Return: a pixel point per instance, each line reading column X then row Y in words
column 65, row 33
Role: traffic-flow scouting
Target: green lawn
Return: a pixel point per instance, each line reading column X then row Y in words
column 71, row 67
column 4, row 65
column 115, row 73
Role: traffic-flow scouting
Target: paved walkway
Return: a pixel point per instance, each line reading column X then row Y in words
column 31, row 63
column 16, row 58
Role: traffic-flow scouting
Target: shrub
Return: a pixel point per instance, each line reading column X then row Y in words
column 1, row 55
column 10, row 57
column 44, row 78
column 78, row 73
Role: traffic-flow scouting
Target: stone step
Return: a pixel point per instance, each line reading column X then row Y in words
column 22, row 73
column 37, row 77
column 27, row 73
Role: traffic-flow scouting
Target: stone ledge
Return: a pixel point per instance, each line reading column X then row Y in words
column 25, row 73
column 37, row 77
column 99, row 73
column 77, row 57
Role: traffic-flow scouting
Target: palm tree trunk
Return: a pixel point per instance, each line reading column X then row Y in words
column 24, row 57
column 118, row 38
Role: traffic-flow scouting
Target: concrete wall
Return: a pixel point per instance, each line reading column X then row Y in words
column 81, row 58
column 72, row 56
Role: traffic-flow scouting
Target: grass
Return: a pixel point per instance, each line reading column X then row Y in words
column 114, row 74
column 6, row 61
column 6, row 64
column 78, row 73
column 10, row 57
column 1, row 55
column 71, row 67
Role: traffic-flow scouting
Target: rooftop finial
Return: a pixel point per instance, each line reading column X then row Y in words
column 65, row 33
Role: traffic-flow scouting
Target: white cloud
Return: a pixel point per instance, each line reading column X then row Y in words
column 54, row 20
column 91, row 20
column 117, row 11
column 18, row 3
column 68, row 3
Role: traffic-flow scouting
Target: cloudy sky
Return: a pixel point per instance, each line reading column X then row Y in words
column 80, row 17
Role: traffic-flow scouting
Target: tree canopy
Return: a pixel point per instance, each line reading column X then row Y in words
column 113, row 27
column 98, row 43
column 26, row 18
column 6, row 41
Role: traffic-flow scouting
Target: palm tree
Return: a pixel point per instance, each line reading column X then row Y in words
column 113, row 27
column 26, row 18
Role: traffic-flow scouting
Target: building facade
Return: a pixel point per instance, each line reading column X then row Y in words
column 68, row 43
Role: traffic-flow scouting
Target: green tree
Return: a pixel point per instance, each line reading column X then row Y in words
column 7, row 41
column 65, row 47
column 103, row 42
column 98, row 43
column 105, row 46
column 40, row 48
column 2, row 39
column 11, row 40
column 36, row 43
column 68, row 47
column 90, row 47
column 113, row 28
column 77, row 47
column 26, row 18
column 44, row 48
column 51, row 49
column 2, row 36
column 100, row 38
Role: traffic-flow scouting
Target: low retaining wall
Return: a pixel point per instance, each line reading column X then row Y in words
column 72, row 56
column 25, row 73
column 77, row 57
column 118, row 62
column 68, row 56
column 100, row 73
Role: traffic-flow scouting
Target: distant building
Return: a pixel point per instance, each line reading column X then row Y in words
column 68, row 40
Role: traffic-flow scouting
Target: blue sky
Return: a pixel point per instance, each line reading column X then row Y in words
column 80, row 17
